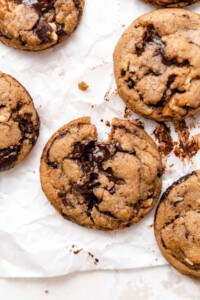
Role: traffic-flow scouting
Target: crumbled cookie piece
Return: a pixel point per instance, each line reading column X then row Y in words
column 83, row 86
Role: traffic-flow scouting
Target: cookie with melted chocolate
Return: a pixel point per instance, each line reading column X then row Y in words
column 105, row 185
column 157, row 65
column 19, row 122
column 36, row 25
column 172, row 3
column 177, row 222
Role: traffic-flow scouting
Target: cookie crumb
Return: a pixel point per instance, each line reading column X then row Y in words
column 83, row 86
column 151, row 225
column 90, row 254
column 46, row 291
column 127, row 113
column 138, row 123
column 187, row 147
column 162, row 134
column 108, row 123
column 107, row 96
column 77, row 251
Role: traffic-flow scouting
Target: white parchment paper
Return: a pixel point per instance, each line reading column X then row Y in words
column 35, row 241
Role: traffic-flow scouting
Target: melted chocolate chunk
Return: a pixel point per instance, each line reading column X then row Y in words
column 123, row 73
column 41, row 6
column 43, row 30
column 130, row 83
column 28, row 130
column 165, row 96
column 92, row 155
column 163, row 135
column 77, row 5
column 62, row 194
column 60, row 30
column 152, row 37
column 88, row 194
column 111, row 177
column 8, row 157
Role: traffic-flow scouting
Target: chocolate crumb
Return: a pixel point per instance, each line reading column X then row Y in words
column 90, row 254
column 187, row 147
column 138, row 123
column 96, row 261
column 108, row 123
column 107, row 96
column 77, row 251
column 162, row 134
column 127, row 113
column 46, row 291
column 83, row 86
column 151, row 226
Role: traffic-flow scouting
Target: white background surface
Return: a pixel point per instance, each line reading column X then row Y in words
column 52, row 84
column 144, row 284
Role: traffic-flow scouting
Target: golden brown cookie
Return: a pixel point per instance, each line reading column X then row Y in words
column 177, row 224
column 104, row 185
column 172, row 3
column 19, row 122
column 157, row 65
column 36, row 25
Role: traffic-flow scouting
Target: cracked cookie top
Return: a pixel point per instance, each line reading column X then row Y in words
column 177, row 224
column 19, row 122
column 35, row 25
column 172, row 3
column 157, row 65
column 105, row 185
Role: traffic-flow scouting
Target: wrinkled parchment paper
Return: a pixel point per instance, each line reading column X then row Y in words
column 35, row 241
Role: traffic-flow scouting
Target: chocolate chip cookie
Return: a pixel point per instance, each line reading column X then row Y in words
column 19, row 122
column 177, row 224
column 35, row 25
column 157, row 65
column 172, row 3
column 104, row 185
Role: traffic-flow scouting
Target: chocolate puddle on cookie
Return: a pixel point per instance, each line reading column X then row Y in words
column 152, row 37
column 92, row 156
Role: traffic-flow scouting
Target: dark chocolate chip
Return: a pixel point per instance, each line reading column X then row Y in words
column 123, row 72
column 60, row 29
column 187, row 235
column 62, row 194
column 41, row 6
column 8, row 157
column 130, row 83
column 43, row 30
